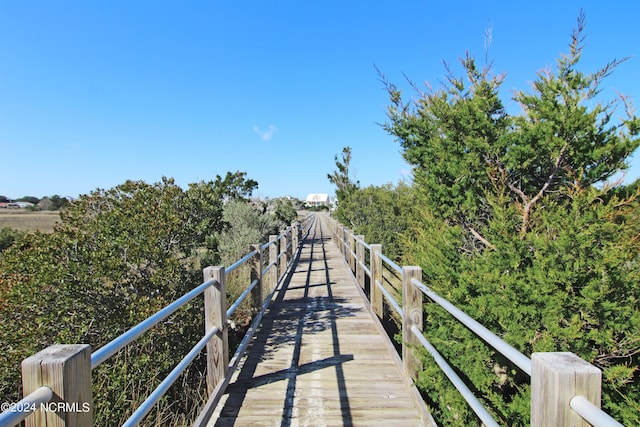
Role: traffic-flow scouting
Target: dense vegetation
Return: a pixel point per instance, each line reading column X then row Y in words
column 512, row 219
column 118, row 256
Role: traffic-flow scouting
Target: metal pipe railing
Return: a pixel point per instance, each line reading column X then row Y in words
column 241, row 298
column 268, row 267
column 522, row 361
column 581, row 405
column 266, row 245
column 17, row 412
column 241, row 261
column 390, row 299
column 365, row 269
column 233, row 363
column 457, row 382
column 591, row 413
column 391, row 264
column 144, row 409
column 21, row 410
column 157, row 394
column 111, row 348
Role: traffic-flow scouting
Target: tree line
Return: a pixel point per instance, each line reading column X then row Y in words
column 515, row 220
column 52, row 203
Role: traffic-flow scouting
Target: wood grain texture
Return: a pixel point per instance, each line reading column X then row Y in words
column 318, row 358
column 556, row 378
column 412, row 313
column 66, row 370
column 376, row 276
column 215, row 308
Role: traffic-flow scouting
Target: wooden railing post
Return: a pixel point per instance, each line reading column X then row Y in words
column 412, row 313
column 283, row 254
column 256, row 274
column 66, row 370
column 360, row 260
column 555, row 379
column 273, row 259
column 376, row 276
column 295, row 237
column 215, row 314
column 345, row 245
column 352, row 247
column 289, row 247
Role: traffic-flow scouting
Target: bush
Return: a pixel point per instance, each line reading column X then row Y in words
column 7, row 237
column 117, row 256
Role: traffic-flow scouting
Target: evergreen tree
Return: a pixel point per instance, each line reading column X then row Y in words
column 345, row 186
column 517, row 227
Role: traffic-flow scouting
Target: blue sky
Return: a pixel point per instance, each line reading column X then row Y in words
column 93, row 93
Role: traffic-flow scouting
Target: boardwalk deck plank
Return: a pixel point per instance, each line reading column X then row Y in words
column 319, row 358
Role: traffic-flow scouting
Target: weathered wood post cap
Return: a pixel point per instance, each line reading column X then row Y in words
column 66, row 370
column 555, row 379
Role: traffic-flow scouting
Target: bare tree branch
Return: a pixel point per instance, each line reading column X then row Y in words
column 481, row 238
column 526, row 209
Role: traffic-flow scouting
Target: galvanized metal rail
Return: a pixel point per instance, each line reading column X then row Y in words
column 545, row 407
column 286, row 246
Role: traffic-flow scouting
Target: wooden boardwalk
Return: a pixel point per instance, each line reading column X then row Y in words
column 319, row 358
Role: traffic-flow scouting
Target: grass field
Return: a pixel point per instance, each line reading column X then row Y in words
column 21, row 219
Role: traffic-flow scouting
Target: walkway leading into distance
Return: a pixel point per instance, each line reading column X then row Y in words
column 319, row 358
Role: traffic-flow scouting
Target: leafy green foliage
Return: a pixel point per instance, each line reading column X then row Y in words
column 382, row 214
column 29, row 199
column 345, row 186
column 118, row 256
column 511, row 227
column 317, row 208
column 7, row 237
column 53, row 203
column 235, row 186
column 284, row 211
column 243, row 225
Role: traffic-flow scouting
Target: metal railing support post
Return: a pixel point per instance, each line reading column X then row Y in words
column 215, row 315
column 412, row 316
column 66, row 370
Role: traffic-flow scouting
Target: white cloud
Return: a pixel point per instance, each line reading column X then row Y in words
column 267, row 134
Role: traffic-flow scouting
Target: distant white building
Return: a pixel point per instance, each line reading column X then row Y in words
column 21, row 205
column 314, row 199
